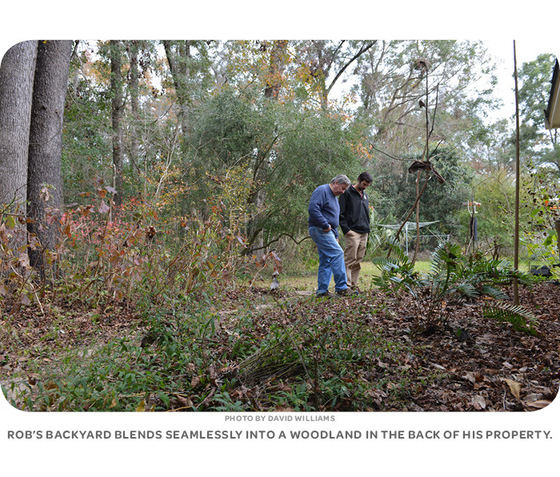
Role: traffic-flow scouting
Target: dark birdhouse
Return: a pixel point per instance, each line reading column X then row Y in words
column 274, row 285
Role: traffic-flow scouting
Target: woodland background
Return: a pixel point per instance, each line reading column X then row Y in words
column 176, row 127
column 144, row 181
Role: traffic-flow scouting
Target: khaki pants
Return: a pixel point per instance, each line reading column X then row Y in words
column 354, row 252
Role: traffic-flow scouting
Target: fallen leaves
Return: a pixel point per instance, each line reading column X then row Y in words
column 540, row 404
column 478, row 402
column 496, row 369
column 514, row 387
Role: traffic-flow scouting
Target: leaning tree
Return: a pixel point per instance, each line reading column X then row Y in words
column 44, row 177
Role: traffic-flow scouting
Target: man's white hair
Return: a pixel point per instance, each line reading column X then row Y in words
column 341, row 179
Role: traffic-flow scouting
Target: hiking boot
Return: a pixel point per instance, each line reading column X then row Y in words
column 347, row 292
column 326, row 294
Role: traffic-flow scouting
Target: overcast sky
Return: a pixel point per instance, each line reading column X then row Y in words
column 526, row 50
column 531, row 23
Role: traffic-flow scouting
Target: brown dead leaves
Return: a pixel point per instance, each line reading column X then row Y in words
column 464, row 363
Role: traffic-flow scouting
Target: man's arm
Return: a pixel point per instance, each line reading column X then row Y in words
column 315, row 205
column 342, row 202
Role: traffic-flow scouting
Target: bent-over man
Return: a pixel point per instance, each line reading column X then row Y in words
column 324, row 213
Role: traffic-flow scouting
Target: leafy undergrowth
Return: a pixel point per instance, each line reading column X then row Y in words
column 253, row 350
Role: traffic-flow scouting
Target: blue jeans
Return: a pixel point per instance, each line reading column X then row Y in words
column 331, row 260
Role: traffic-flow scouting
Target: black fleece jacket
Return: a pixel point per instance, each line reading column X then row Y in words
column 354, row 211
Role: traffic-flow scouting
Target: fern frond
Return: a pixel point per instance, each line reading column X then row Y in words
column 446, row 255
column 467, row 289
column 494, row 292
column 521, row 318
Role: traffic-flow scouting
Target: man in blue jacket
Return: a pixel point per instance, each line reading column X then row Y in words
column 354, row 222
column 323, row 223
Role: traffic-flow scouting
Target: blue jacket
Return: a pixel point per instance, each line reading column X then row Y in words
column 324, row 209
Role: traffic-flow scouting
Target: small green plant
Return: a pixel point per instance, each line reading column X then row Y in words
column 226, row 403
column 542, row 248
column 295, row 396
column 468, row 276
column 471, row 276
column 397, row 272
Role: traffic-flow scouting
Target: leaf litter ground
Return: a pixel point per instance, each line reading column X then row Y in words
column 293, row 352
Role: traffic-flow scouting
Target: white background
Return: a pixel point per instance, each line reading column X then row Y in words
column 531, row 24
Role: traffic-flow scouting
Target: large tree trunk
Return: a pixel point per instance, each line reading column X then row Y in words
column 16, row 87
column 44, row 177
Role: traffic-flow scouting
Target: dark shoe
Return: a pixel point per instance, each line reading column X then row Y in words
column 326, row 294
column 347, row 292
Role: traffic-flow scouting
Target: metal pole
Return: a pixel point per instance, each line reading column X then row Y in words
column 517, row 175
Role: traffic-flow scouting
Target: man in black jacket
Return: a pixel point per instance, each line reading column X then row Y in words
column 354, row 221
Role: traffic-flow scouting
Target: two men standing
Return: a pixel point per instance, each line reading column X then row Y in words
column 325, row 215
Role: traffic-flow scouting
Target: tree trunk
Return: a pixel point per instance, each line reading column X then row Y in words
column 16, row 88
column 276, row 69
column 178, row 56
column 117, row 106
column 44, row 175
column 134, row 47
